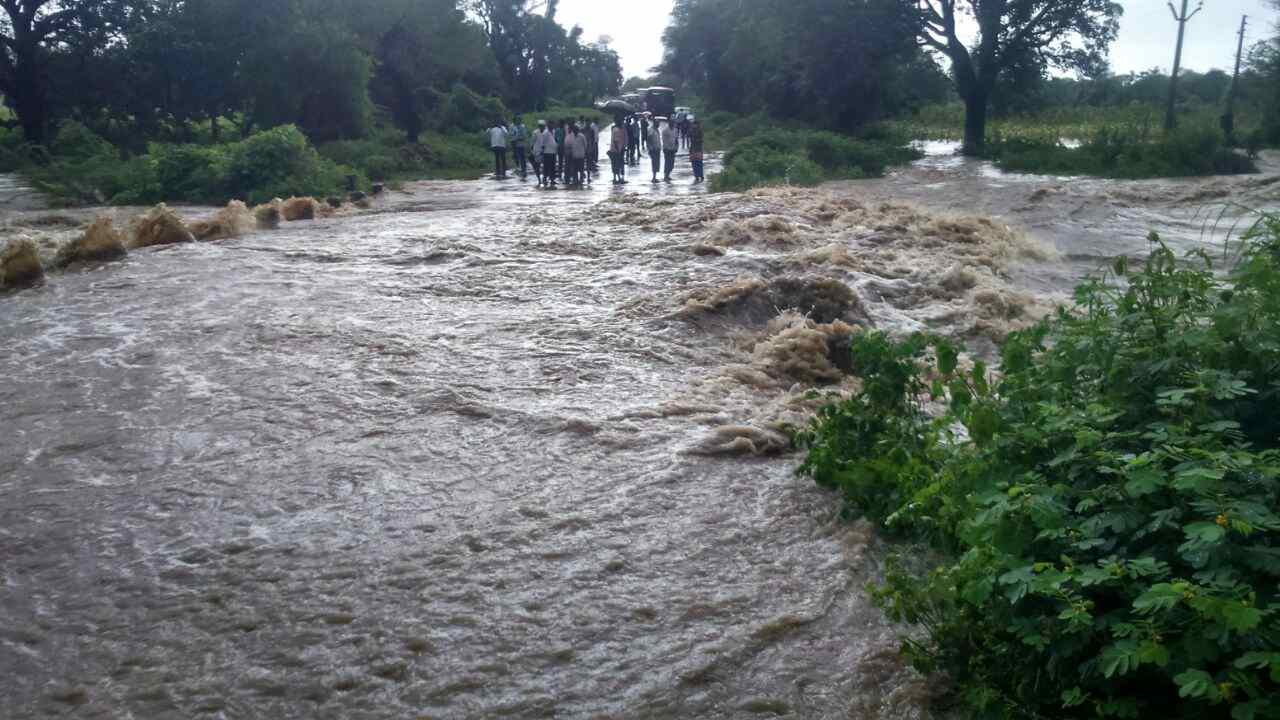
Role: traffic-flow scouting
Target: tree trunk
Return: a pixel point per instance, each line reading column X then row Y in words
column 975, row 123
column 30, row 104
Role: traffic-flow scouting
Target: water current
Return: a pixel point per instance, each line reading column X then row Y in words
column 491, row 451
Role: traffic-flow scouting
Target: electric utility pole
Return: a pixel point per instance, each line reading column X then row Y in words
column 1170, row 120
column 1229, row 119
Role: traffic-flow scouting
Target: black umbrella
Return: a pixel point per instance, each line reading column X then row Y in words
column 618, row 107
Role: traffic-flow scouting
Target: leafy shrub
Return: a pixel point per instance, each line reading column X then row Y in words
column 462, row 110
column 803, row 157
column 273, row 163
column 1125, row 151
column 1106, row 509
column 386, row 156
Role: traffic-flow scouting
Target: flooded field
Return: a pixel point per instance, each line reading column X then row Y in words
column 489, row 451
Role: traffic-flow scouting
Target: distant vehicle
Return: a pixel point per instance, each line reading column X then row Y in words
column 661, row 101
column 682, row 114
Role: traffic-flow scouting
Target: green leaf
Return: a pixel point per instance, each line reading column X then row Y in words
column 1143, row 481
column 1204, row 532
column 1197, row 479
column 1240, row 618
column 1153, row 653
column 1161, row 596
column 1196, row 684
column 947, row 358
column 1120, row 658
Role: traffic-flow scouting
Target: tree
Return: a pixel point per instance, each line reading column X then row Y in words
column 834, row 64
column 1062, row 33
column 31, row 33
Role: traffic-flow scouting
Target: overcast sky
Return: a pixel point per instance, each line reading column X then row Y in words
column 1147, row 34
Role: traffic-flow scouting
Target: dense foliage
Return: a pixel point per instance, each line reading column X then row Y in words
column 81, row 166
column 832, row 65
column 805, row 157
column 1105, row 508
column 1124, row 151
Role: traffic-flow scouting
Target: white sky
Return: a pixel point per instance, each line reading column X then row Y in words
column 1147, row 33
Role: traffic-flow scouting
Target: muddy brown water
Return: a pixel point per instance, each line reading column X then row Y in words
column 445, row 458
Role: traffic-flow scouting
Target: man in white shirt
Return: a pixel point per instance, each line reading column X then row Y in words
column 498, row 143
column 577, row 143
column 535, row 150
column 653, row 141
column 670, row 142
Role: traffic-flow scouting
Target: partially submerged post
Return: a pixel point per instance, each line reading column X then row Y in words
column 1170, row 118
column 1229, row 117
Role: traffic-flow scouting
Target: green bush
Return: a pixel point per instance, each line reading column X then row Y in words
column 1106, row 509
column 274, row 163
column 1124, row 151
column 386, row 156
column 804, row 157
column 462, row 110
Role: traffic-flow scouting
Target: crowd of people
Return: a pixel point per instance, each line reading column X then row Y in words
column 567, row 151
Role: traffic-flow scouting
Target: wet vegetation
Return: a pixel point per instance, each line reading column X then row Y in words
column 1102, row 511
column 380, row 90
column 1125, row 151
column 806, row 157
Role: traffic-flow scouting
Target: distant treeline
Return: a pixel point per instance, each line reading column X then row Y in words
column 140, row 70
column 840, row 66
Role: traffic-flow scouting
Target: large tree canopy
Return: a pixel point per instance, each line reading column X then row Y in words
column 32, row 33
column 137, row 70
column 1013, row 34
column 836, row 64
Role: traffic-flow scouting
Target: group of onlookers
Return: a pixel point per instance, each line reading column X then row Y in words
column 559, row 151
column 568, row 151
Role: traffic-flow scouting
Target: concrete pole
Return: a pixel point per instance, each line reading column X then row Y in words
column 1170, row 119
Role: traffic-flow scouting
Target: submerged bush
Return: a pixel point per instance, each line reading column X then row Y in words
column 273, row 163
column 1125, row 151
column 1106, row 509
column 804, row 157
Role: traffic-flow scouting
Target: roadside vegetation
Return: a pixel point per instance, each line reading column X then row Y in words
column 1091, row 531
column 806, row 157
column 384, row 90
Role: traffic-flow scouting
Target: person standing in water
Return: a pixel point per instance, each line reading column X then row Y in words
column 578, row 150
column 549, row 166
column 535, row 151
column 633, row 141
column 498, row 144
column 519, row 134
column 593, row 153
column 618, row 151
column 670, row 143
column 695, row 148
column 644, row 132
column 562, row 168
column 654, row 142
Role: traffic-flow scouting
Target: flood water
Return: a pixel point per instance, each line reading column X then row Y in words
column 491, row 451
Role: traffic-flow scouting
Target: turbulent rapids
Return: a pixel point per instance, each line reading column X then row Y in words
column 483, row 451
